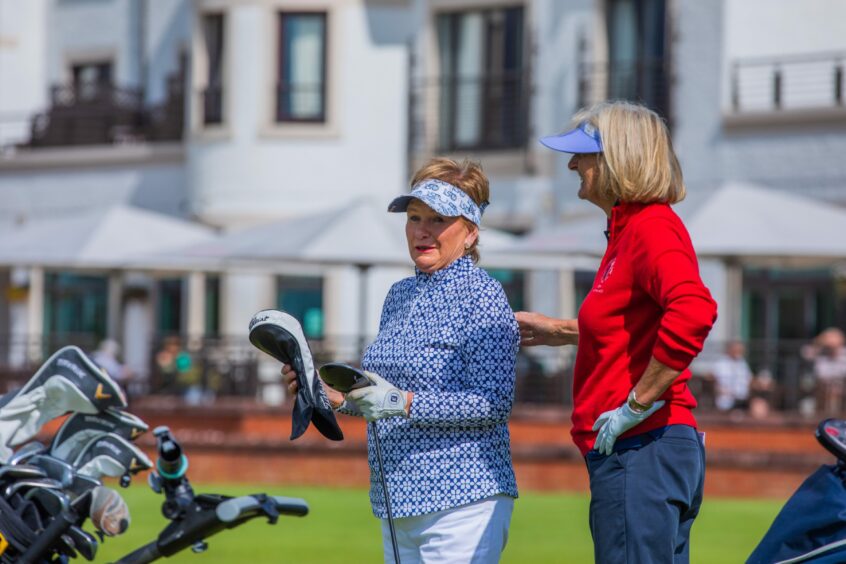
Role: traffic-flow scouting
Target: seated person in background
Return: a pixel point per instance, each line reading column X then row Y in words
column 732, row 377
column 828, row 354
column 761, row 394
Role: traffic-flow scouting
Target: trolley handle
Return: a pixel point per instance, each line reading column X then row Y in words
column 250, row 506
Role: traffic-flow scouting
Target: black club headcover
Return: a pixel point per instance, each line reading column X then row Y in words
column 281, row 336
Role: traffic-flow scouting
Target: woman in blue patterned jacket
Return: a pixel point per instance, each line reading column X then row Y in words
column 447, row 343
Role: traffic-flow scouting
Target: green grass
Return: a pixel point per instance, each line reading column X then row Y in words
column 546, row 527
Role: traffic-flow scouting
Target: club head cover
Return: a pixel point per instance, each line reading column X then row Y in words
column 96, row 390
column 343, row 377
column 281, row 336
column 78, row 430
column 110, row 455
column 108, row 511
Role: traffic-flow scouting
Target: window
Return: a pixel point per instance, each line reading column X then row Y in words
column 301, row 90
column 302, row 297
column 212, row 96
column 91, row 78
column 75, row 308
column 170, row 306
column 637, row 61
column 483, row 84
column 212, row 306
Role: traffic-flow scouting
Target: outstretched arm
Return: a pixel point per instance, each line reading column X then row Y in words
column 537, row 329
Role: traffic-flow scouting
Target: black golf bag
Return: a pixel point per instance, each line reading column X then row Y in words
column 811, row 527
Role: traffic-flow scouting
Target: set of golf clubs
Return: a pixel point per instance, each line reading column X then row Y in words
column 55, row 488
column 49, row 492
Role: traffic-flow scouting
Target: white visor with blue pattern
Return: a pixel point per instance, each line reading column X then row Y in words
column 444, row 198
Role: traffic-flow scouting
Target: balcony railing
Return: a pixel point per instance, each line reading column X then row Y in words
column 103, row 114
column 487, row 113
column 811, row 81
column 644, row 81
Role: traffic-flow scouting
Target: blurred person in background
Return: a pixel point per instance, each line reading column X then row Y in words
column 446, row 348
column 106, row 357
column 827, row 352
column 642, row 323
column 732, row 377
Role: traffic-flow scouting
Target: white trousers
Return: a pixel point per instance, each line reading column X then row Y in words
column 475, row 533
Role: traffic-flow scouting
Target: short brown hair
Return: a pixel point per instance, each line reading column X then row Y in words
column 467, row 176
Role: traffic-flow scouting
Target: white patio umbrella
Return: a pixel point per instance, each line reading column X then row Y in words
column 768, row 226
column 361, row 233
column 108, row 237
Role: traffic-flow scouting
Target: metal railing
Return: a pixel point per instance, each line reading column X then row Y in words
column 482, row 113
column 788, row 82
column 202, row 370
column 646, row 81
column 103, row 114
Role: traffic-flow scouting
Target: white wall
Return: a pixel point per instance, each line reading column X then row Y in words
column 51, row 190
column 252, row 169
column 23, row 61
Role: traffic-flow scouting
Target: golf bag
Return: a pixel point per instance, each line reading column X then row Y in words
column 811, row 527
column 48, row 493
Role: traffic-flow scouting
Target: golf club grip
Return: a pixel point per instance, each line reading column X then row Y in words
column 232, row 509
column 147, row 553
column 45, row 541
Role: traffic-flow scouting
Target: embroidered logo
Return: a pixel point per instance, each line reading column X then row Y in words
column 609, row 269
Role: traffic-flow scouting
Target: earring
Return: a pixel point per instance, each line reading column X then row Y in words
column 467, row 246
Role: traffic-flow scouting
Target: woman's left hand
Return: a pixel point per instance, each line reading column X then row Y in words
column 381, row 399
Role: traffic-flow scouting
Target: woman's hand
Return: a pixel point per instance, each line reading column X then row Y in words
column 537, row 329
column 289, row 378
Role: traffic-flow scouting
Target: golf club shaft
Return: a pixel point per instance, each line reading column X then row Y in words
column 385, row 491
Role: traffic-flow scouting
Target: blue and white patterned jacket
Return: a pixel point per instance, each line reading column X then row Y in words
column 451, row 338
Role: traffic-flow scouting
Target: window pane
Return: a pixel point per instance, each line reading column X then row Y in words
column 302, row 297
column 213, row 94
column 302, row 67
column 75, row 309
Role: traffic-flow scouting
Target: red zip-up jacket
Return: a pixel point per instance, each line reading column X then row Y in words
column 647, row 300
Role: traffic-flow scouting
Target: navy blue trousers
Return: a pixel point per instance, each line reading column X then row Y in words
column 645, row 496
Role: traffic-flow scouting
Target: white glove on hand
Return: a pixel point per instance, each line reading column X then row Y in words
column 379, row 400
column 614, row 423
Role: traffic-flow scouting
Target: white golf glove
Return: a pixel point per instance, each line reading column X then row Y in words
column 614, row 423
column 379, row 400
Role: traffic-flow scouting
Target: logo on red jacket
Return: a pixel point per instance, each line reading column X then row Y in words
column 609, row 268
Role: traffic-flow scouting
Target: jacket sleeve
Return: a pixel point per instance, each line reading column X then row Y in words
column 489, row 352
column 667, row 269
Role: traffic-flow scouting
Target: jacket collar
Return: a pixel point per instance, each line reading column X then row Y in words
column 452, row 271
column 622, row 214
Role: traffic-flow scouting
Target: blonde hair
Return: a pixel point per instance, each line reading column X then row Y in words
column 466, row 176
column 637, row 163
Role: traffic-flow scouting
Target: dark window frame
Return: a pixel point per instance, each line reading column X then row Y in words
column 212, row 95
column 280, row 115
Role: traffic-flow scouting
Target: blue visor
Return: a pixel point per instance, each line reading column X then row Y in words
column 583, row 139
column 444, row 198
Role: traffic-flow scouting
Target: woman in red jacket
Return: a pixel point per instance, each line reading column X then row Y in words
column 644, row 320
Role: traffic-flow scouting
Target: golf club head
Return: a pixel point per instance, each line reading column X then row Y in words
column 80, row 428
column 51, row 501
column 343, row 377
column 84, row 542
column 26, row 483
column 111, row 455
column 82, row 485
column 27, row 451
column 56, row 469
column 19, row 471
column 281, row 336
